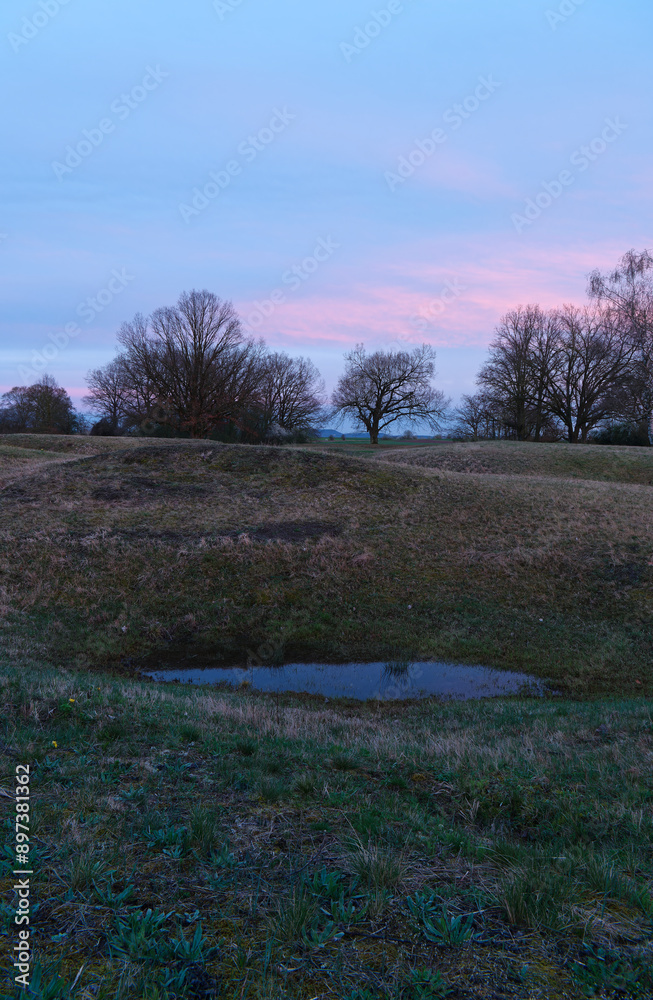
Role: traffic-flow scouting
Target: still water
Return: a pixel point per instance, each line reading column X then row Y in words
column 385, row 681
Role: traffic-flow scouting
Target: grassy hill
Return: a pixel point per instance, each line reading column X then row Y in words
column 202, row 843
column 194, row 547
column 605, row 463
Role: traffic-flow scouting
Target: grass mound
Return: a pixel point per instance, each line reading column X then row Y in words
column 511, row 458
column 196, row 844
column 63, row 444
column 223, row 550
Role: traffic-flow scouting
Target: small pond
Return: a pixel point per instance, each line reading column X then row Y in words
column 387, row 681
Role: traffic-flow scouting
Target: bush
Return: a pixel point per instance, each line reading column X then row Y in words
column 152, row 429
column 625, row 433
column 104, row 428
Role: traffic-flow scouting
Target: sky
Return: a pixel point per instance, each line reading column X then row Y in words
column 394, row 173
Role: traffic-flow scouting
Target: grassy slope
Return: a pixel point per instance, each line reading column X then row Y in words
column 18, row 462
column 558, row 461
column 313, row 851
column 203, row 549
column 296, row 833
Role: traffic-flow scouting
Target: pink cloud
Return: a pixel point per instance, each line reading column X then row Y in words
column 497, row 275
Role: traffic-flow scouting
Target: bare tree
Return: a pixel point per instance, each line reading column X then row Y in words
column 378, row 389
column 41, row 408
column 634, row 399
column 481, row 416
column 188, row 366
column 17, row 409
column 572, row 368
column 589, row 365
column 542, row 352
column 291, row 392
column 121, row 393
column 511, row 377
column 142, row 397
column 109, row 396
column 197, row 361
column 628, row 293
column 471, row 416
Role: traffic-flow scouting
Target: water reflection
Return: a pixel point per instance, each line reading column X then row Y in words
column 396, row 668
column 385, row 681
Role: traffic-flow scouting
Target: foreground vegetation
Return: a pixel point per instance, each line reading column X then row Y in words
column 202, row 843
column 194, row 843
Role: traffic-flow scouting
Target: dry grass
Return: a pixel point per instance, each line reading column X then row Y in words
column 217, row 550
column 559, row 461
column 291, row 848
column 22, row 462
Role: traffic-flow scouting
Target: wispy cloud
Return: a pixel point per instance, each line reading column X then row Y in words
column 499, row 277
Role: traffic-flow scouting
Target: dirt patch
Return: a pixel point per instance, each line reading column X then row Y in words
column 23, row 494
column 140, row 489
column 282, row 531
column 291, row 531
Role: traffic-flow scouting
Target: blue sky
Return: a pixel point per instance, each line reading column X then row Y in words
column 329, row 139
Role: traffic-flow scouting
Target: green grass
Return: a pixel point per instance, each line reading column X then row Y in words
column 512, row 859
column 204, row 843
column 137, row 553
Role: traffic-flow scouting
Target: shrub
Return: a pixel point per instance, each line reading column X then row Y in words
column 625, row 433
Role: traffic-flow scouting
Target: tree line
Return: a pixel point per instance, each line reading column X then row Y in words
column 190, row 370
column 572, row 372
column 42, row 408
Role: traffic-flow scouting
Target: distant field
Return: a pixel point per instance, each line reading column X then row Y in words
column 511, row 458
column 194, row 547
